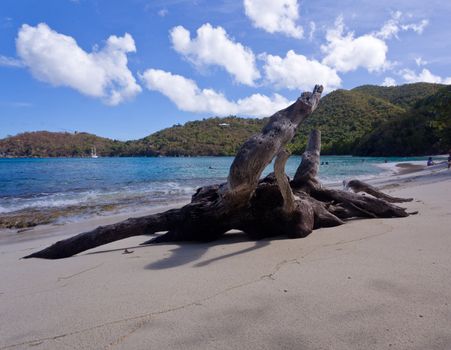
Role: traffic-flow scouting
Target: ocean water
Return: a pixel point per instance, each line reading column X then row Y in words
column 33, row 184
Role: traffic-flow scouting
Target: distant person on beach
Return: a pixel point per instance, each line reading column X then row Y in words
column 430, row 161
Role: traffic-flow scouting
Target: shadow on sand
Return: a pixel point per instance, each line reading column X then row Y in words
column 188, row 252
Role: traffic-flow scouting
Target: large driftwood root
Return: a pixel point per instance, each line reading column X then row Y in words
column 272, row 206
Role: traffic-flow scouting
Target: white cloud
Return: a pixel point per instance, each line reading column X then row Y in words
column 393, row 26
column 312, row 30
column 388, row 81
column 6, row 61
column 213, row 46
column 298, row 72
column 420, row 62
column 424, row 76
column 416, row 27
column 275, row 16
column 346, row 53
column 57, row 59
column 189, row 97
column 163, row 12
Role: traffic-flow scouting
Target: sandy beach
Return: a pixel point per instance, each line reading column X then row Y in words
column 368, row 284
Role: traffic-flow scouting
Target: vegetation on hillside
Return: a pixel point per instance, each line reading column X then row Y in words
column 213, row 136
column 57, row 144
column 404, row 96
column 344, row 117
column 353, row 121
column 424, row 130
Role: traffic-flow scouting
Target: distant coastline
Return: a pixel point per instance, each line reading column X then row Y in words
column 369, row 120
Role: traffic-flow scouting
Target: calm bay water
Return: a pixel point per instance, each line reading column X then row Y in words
column 128, row 182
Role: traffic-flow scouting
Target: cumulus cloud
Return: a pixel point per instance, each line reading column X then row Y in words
column 388, row 81
column 57, row 59
column 187, row 96
column 298, row 72
column 393, row 26
column 6, row 61
column 213, row 46
column 346, row 53
column 424, row 76
column 275, row 16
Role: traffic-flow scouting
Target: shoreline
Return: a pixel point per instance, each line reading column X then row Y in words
column 72, row 228
column 394, row 171
column 215, row 156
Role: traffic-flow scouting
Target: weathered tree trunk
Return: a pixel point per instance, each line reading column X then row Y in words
column 360, row 186
column 260, row 207
column 305, row 176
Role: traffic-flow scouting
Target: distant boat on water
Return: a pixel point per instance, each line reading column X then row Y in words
column 94, row 153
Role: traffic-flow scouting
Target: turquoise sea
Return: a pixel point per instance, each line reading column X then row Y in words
column 33, row 184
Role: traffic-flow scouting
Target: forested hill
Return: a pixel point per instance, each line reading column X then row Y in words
column 404, row 96
column 56, row 144
column 213, row 136
column 346, row 119
column 423, row 130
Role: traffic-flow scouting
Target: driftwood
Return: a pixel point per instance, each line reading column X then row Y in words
column 360, row 186
column 272, row 206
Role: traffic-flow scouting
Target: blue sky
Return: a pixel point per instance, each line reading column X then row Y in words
column 125, row 69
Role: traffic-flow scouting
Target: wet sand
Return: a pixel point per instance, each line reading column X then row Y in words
column 407, row 168
column 369, row 284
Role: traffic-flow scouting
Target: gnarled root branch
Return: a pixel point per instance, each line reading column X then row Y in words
column 360, row 186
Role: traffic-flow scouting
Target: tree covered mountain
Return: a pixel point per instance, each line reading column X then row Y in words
column 404, row 96
column 346, row 118
column 212, row 136
column 57, row 144
column 423, row 130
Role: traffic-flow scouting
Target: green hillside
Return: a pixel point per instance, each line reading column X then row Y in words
column 404, row 96
column 57, row 144
column 345, row 118
column 424, row 130
column 213, row 136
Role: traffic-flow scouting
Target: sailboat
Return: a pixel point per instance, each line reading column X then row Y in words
column 94, row 153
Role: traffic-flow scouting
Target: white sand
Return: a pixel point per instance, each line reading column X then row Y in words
column 369, row 284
